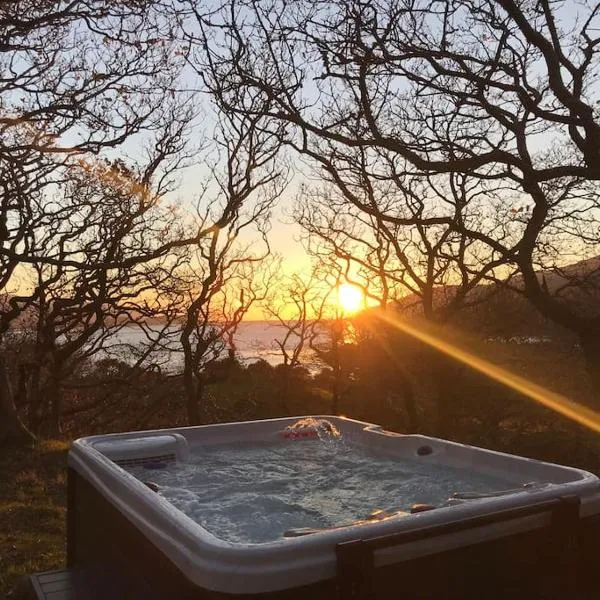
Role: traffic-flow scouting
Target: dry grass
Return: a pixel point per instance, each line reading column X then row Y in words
column 32, row 511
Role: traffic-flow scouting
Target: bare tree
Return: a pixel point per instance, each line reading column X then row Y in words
column 90, row 242
column 12, row 428
column 248, row 181
column 226, row 287
column 500, row 92
column 79, row 78
column 294, row 304
column 331, row 331
column 90, row 267
column 399, row 237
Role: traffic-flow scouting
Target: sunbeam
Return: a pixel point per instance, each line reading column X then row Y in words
column 557, row 402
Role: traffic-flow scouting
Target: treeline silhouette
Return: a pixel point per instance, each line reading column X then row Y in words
column 382, row 376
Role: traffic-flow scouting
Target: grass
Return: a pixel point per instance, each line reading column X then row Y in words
column 32, row 511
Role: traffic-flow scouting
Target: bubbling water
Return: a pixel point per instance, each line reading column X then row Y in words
column 312, row 427
column 255, row 492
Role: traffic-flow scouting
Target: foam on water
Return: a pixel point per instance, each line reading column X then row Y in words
column 253, row 493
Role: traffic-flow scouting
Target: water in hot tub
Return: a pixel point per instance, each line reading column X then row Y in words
column 253, row 493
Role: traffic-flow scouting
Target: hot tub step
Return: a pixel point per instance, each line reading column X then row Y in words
column 51, row 585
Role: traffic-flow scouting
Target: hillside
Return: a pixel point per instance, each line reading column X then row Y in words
column 494, row 310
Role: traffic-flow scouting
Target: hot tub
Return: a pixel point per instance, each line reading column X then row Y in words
column 495, row 525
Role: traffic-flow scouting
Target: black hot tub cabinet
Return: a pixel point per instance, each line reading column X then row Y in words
column 535, row 541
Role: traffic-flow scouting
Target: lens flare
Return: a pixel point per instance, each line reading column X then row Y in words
column 556, row 402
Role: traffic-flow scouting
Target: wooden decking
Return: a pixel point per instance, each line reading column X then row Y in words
column 51, row 585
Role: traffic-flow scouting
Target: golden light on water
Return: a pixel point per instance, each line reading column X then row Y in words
column 350, row 298
column 556, row 402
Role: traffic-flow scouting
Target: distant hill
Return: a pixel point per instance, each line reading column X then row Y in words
column 497, row 311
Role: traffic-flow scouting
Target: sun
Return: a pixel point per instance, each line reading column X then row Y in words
column 350, row 298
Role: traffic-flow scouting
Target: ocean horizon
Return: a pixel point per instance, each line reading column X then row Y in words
column 253, row 340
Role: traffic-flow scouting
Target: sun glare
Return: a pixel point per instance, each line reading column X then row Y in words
column 350, row 298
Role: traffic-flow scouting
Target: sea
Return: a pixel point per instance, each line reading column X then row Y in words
column 253, row 341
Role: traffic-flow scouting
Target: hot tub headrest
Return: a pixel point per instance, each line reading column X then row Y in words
column 139, row 450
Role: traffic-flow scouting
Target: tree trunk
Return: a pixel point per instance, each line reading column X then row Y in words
column 590, row 346
column 34, row 397
column 54, row 400
column 285, row 390
column 444, row 370
column 335, row 398
column 193, row 397
column 12, row 430
column 408, row 396
column 336, row 390
column 337, row 372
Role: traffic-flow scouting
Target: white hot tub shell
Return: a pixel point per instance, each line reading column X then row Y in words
column 530, row 539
